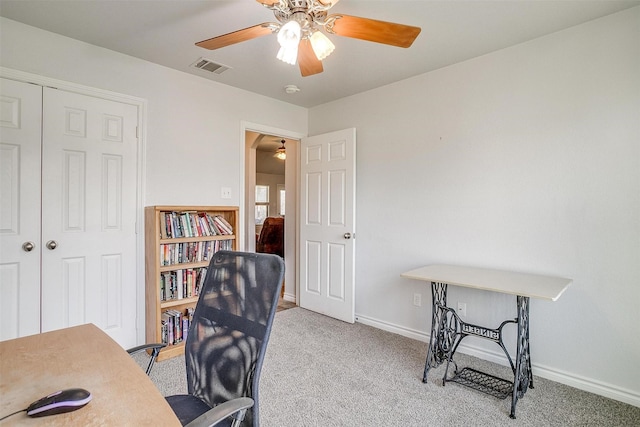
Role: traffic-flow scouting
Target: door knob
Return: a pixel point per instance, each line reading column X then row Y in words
column 51, row 244
column 28, row 246
column 347, row 236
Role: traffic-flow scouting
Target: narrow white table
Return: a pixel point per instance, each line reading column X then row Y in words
column 448, row 330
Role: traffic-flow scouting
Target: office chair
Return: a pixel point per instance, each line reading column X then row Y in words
column 153, row 355
column 228, row 338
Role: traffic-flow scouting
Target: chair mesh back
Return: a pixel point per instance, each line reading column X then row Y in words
column 231, row 324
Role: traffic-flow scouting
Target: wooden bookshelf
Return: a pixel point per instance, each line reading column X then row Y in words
column 175, row 259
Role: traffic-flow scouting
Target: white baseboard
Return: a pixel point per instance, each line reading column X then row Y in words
column 289, row 297
column 586, row 384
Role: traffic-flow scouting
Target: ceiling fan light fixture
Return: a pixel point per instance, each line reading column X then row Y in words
column 300, row 26
column 281, row 153
column 321, row 45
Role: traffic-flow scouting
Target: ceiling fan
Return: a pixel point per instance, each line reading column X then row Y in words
column 281, row 152
column 299, row 32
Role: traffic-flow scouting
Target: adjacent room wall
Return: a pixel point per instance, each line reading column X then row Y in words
column 526, row 159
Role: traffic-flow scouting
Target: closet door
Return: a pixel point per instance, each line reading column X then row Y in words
column 89, row 213
column 20, row 146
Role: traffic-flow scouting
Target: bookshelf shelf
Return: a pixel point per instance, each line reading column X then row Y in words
column 186, row 265
column 178, row 302
column 193, row 239
column 179, row 242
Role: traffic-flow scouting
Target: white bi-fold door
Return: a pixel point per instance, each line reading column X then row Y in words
column 20, row 151
column 81, row 266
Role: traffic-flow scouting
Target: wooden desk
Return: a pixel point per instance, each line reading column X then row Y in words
column 448, row 330
column 84, row 357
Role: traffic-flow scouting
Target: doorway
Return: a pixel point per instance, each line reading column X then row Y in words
column 281, row 178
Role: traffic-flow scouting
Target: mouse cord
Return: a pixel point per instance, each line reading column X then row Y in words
column 10, row 415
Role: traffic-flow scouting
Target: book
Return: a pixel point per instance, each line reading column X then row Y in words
column 222, row 225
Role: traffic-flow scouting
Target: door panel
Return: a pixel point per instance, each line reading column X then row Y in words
column 20, row 149
column 327, row 224
column 89, row 147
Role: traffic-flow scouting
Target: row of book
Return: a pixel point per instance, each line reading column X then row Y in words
column 183, row 283
column 178, row 253
column 175, row 325
column 193, row 224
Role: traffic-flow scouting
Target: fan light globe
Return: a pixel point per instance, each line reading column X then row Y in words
column 288, row 55
column 289, row 34
column 321, row 45
column 289, row 38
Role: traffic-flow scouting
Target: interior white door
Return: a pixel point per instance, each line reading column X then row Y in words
column 89, row 214
column 20, row 148
column 327, row 224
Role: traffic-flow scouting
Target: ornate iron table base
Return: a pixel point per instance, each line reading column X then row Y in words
column 448, row 330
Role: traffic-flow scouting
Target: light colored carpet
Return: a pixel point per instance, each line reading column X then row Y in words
column 322, row 372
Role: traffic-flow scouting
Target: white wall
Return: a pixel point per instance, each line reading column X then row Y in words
column 194, row 135
column 193, row 129
column 525, row 159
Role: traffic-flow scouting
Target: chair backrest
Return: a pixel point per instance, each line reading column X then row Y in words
column 231, row 325
column 271, row 240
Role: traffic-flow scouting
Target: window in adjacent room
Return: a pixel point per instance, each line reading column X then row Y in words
column 281, row 199
column 262, row 203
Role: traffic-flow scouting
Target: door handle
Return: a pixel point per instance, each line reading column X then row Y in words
column 28, row 246
column 347, row 236
column 51, row 244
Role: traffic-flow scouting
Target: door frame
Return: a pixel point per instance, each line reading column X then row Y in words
column 141, row 105
column 292, row 178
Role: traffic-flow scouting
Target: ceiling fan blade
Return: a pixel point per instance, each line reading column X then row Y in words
column 307, row 60
column 237, row 36
column 374, row 31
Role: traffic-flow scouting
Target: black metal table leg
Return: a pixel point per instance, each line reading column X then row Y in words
column 435, row 353
column 523, row 377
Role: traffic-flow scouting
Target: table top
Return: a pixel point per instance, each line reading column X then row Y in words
column 508, row 282
column 78, row 357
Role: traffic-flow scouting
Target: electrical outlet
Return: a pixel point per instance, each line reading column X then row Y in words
column 462, row 309
column 226, row 193
column 417, row 300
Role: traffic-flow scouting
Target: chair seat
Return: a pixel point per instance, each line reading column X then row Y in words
column 187, row 408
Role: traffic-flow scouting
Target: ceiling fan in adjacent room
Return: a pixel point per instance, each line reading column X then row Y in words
column 281, row 152
column 299, row 29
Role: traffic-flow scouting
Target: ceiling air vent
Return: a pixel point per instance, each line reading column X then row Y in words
column 210, row 66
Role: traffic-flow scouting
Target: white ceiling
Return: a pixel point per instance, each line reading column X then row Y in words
column 164, row 32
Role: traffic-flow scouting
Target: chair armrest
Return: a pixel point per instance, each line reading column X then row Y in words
column 222, row 411
column 142, row 347
column 154, row 353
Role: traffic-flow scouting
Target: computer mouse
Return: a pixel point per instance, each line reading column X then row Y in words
column 59, row 402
